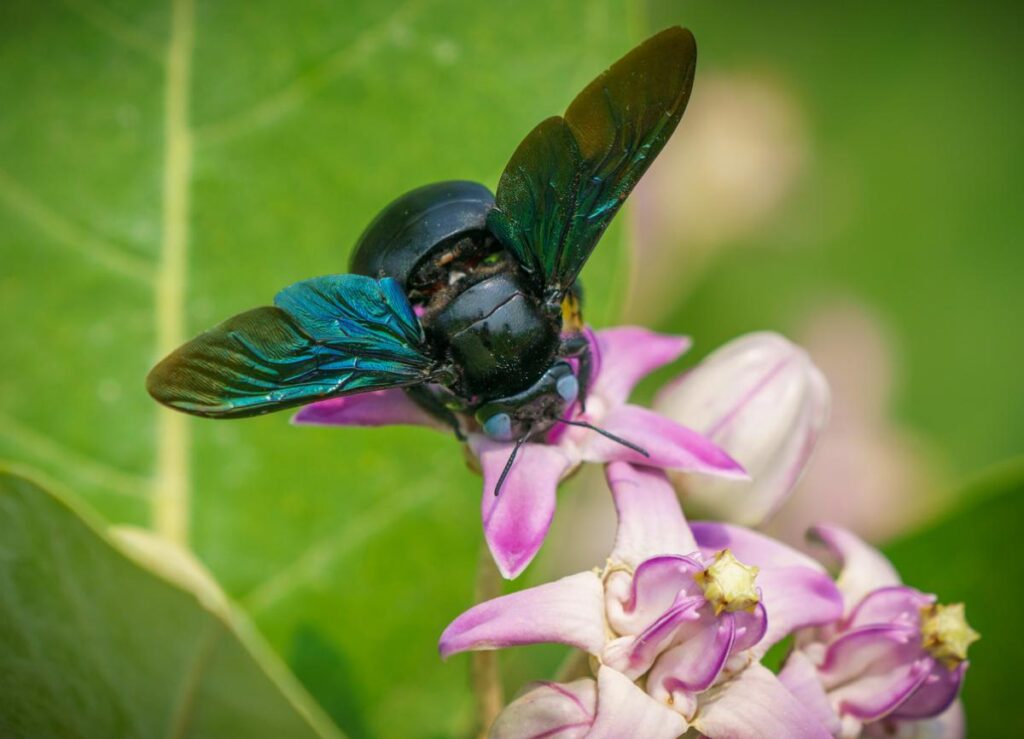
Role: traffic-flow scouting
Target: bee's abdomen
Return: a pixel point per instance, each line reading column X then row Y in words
column 498, row 336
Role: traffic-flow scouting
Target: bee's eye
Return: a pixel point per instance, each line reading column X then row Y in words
column 499, row 427
column 568, row 388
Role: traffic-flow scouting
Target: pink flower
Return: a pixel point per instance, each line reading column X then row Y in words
column 893, row 665
column 762, row 400
column 677, row 620
column 517, row 520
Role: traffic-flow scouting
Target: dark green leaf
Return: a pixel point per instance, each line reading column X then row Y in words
column 95, row 644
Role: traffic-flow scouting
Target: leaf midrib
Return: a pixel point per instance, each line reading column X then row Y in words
column 172, row 484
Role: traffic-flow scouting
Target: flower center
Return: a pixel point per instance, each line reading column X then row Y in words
column 729, row 584
column 946, row 634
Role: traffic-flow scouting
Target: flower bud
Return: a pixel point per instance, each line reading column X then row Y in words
column 762, row 400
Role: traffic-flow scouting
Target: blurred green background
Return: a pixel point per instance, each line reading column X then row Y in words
column 848, row 174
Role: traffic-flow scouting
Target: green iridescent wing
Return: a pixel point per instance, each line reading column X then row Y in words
column 570, row 175
column 325, row 337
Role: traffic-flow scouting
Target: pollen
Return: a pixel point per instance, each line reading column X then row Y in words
column 946, row 634
column 729, row 584
column 572, row 314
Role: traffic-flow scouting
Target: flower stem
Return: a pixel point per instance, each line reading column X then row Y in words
column 486, row 676
column 575, row 666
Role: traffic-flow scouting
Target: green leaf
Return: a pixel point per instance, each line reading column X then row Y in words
column 166, row 165
column 974, row 557
column 96, row 644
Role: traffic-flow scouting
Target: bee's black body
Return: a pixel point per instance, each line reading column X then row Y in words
column 465, row 299
column 474, row 302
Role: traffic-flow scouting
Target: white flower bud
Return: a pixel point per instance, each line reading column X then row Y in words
column 762, row 400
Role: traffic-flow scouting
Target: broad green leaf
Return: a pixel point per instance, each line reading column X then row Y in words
column 166, row 164
column 974, row 557
column 95, row 644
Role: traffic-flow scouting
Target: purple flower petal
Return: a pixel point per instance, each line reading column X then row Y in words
column 800, row 677
column 755, row 705
column 896, row 604
column 863, row 567
column 696, row 661
column 949, row 725
column 634, row 603
column 650, row 519
column 751, row 628
column 749, row 546
column 376, row 408
column 669, row 445
column 935, row 695
column 555, row 710
column 567, row 611
column 518, row 518
column 795, row 597
column 634, row 655
column 628, row 354
column 871, row 671
column 624, row 710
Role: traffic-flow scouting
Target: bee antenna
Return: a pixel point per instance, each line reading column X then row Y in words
column 508, row 464
column 607, row 435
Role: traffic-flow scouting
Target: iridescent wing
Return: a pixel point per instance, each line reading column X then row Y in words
column 570, row 175
column 325, row 337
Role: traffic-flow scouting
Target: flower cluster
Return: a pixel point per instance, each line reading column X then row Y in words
column 677, row 619
column 893, row 665
column 676, row 623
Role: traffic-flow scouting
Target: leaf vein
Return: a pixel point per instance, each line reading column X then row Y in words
column 79, row 465
column 171, row 501
column 184, row 712
column 316, row 558
column 115, row 27
column 294, row 95
column 69, row 235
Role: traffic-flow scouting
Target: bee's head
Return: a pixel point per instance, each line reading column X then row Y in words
column 533, row 410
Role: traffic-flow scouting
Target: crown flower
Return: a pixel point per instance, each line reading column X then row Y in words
column 894, row 663
column 676, row 623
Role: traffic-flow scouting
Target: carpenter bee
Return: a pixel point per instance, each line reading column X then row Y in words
column 467, row 300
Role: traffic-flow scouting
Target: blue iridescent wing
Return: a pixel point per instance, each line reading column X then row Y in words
column 570, row 175
column 325, row 337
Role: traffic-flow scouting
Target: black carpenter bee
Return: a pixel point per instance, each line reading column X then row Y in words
column 467, row 300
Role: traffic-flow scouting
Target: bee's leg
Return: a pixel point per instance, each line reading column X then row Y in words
column 586, row 368
column 429, row 402
column 578, row 346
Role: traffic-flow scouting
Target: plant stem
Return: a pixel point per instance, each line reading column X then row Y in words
column 486, row 675
column 575, row 666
